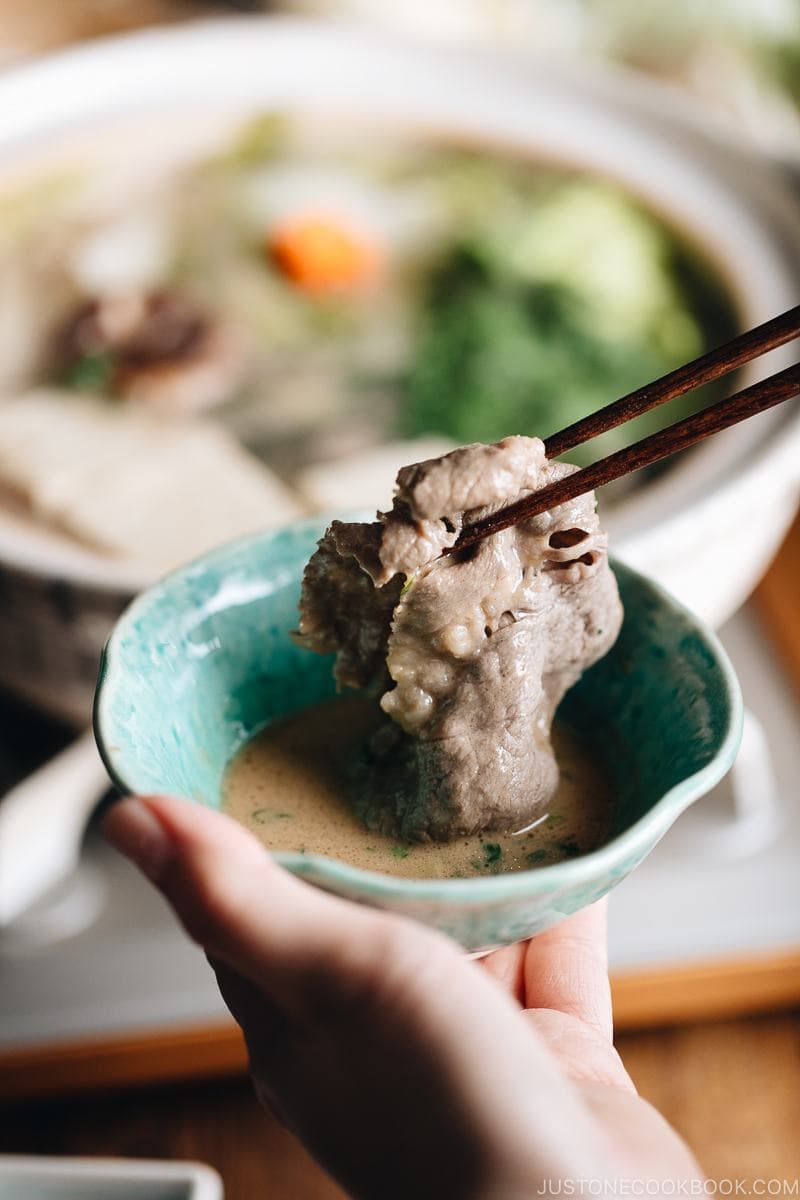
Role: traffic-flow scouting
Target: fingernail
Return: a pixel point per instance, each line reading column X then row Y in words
column 136, row 832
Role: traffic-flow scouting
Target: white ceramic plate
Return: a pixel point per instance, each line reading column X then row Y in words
column 32, row 1178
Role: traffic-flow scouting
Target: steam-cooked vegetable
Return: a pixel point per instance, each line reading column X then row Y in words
column 329, row 296
column 321, row 254
column 535, row 324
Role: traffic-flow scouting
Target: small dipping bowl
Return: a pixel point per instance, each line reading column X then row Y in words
column 203, row 660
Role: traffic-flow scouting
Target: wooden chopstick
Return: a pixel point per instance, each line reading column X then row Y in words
column 746, row 403
column 705, row 369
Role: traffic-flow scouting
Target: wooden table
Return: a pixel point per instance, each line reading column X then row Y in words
column 732, row 1088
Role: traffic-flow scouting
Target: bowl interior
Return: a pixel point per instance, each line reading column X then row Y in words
column 204, row 659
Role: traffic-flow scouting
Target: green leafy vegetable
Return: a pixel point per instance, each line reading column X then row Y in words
column 260, row 140
column 569, row 849
column 529, row 325
column 536, row 856
column 90, row 373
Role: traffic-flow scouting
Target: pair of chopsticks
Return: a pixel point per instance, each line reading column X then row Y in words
column 708, row 367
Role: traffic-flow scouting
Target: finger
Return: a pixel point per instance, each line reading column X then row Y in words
column 303, row 947
column 266, row 1025
column 506, row 968
column 586, row 1055
column 269, row 1033
column 566, row 969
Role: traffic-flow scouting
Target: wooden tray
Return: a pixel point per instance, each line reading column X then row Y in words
column 777, row 599
column 641, row 999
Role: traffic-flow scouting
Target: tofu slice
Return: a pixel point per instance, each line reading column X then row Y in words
column 132, row 485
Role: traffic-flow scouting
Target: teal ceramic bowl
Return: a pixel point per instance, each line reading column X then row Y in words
column 203, row 660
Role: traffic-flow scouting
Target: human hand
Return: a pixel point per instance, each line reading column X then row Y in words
column 406, row 1069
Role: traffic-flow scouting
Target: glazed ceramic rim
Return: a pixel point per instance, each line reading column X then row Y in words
column 340, row 876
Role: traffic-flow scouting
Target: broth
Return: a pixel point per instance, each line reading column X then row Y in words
column 288, row 785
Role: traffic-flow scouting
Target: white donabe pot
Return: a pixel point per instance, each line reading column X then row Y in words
column 705, row 528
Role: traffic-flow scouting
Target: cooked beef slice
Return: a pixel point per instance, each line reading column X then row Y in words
column 342, row 611
column 474, row 651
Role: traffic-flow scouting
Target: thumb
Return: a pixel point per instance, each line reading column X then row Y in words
column 288, row 938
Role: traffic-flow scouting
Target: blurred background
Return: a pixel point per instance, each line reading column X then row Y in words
column 250, row 268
